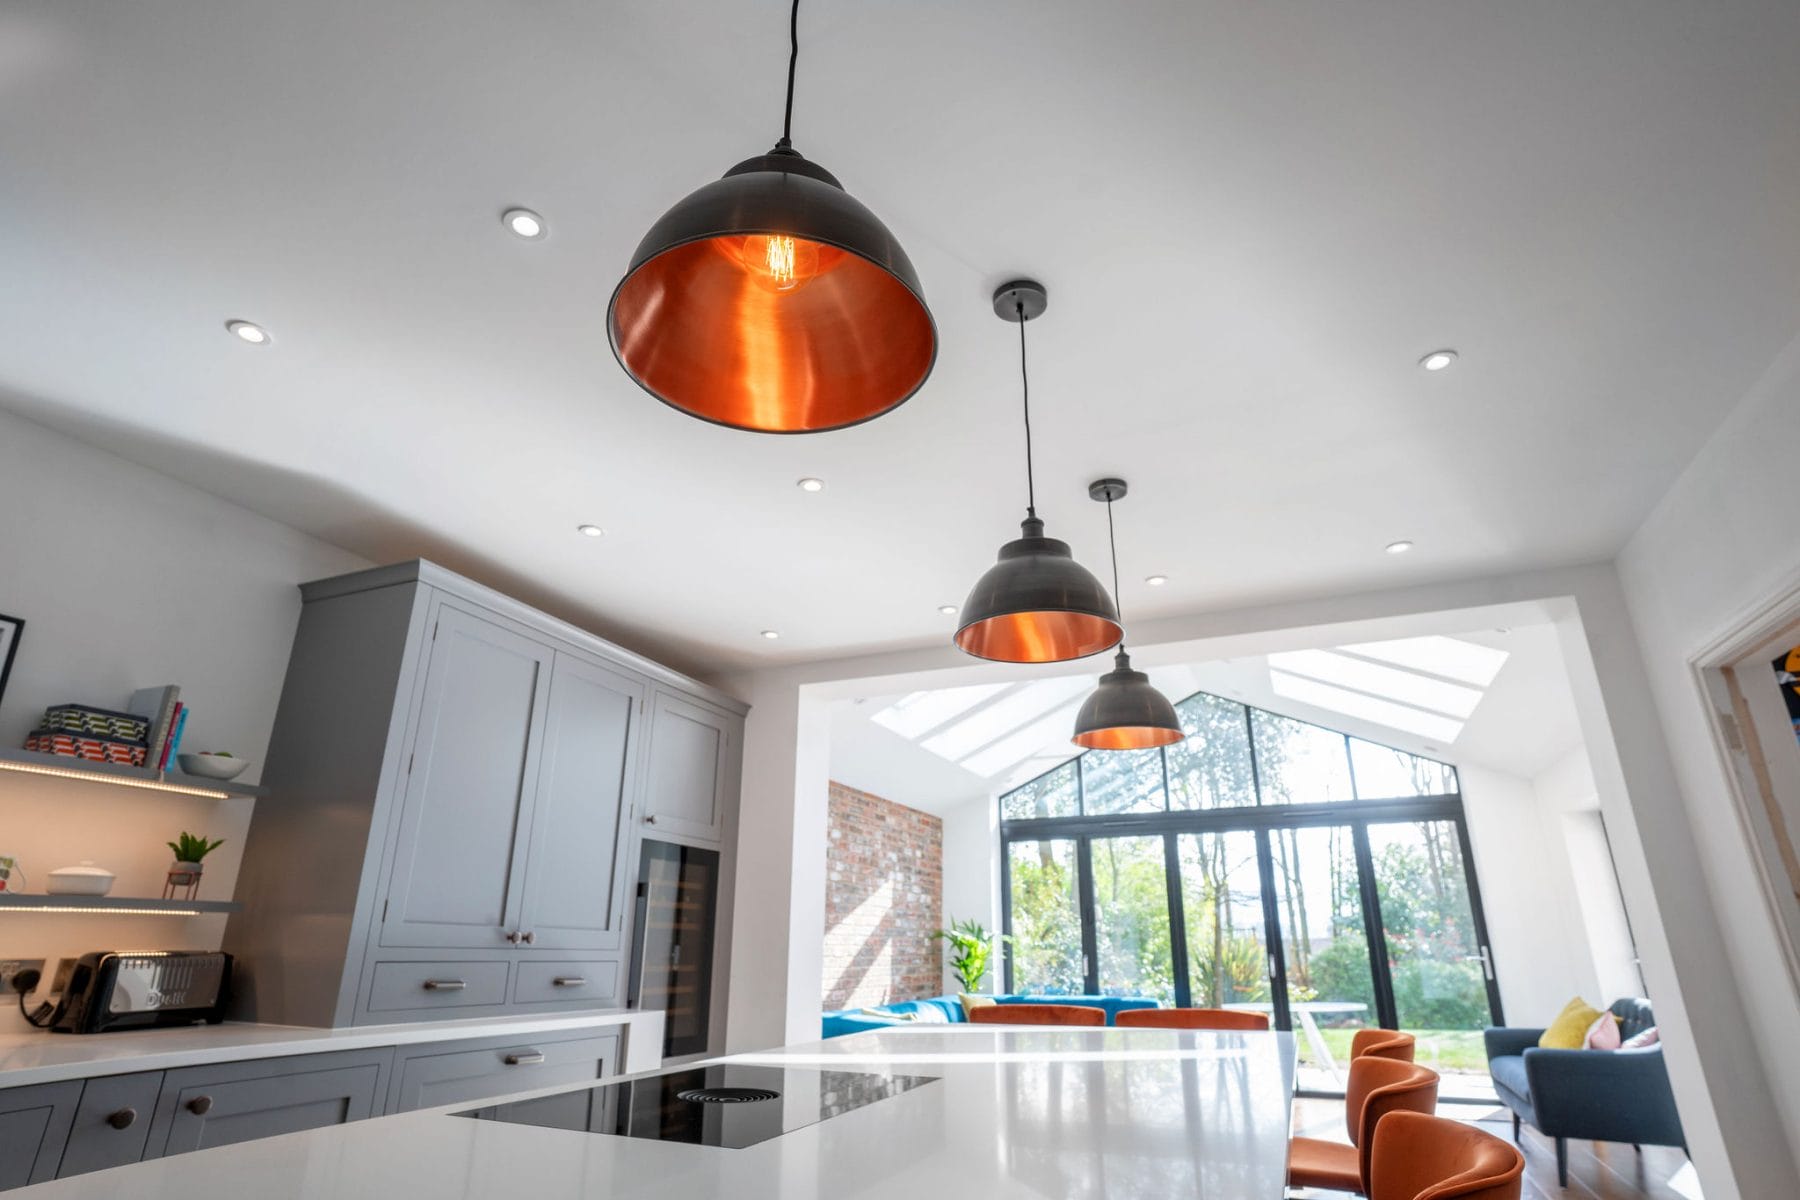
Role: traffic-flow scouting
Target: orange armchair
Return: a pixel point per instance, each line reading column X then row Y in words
column 1378, row 1086
column 1383, row 1043
column 1416, row 1157
column 1037, row 1014
column 1189, row 1018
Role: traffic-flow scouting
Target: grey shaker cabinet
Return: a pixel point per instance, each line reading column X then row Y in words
column 689, row 778
column 458, row 1072
column 34, row 1125
column 202, row 1107
column 575, row 863
column 458, row 870
column 112, row 1123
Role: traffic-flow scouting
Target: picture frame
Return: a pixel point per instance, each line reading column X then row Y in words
column 11, row 630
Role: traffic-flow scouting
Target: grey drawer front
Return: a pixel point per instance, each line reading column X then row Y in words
column 226, row 1103
column 463, row 1076
column 544, row 983
column 426, row 985
column 34, row 1124
column 112, row 1123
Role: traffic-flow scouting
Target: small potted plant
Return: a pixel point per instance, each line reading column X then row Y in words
column 185, row 874
column 971, row 946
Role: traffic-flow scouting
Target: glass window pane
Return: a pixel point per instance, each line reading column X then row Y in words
column 1440, row 989
column 1221, row 898
column 1298, row 763
column 1383, row 773
column 1121, row 781
column 1049, row 795
column 1211, row 768
column 1046, row 918
column 1131, row 918
column 1331, row 990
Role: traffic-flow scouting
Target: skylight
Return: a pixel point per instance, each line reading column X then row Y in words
column 1427, row 686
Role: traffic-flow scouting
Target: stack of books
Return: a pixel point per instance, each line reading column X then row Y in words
column 167, row 715
column 148, row 734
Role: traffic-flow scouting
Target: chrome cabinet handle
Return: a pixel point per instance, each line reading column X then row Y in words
column 524, row 1058
column 569, row 981
column 123, row 1119
column 445, row 985
column 200, row 1105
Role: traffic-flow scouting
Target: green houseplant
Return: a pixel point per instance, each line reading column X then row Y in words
column 971, row 946
column 184, row 876
column 190, row 849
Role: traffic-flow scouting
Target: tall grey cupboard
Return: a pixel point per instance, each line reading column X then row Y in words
column 458, row 786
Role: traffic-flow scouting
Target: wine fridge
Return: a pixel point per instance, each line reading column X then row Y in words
column 672, row 948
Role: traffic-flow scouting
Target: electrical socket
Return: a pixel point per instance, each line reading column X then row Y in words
column 12, row 966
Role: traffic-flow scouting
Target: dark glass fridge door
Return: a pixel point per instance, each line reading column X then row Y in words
column 672, row 950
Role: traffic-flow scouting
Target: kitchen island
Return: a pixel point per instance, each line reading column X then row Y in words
column 931, row 1113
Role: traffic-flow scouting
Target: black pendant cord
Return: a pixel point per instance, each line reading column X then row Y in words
column 787, row 119
column 1025, row 381
column 1112, row 541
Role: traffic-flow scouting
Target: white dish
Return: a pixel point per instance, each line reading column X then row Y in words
column 84, row 880
column 212, row 766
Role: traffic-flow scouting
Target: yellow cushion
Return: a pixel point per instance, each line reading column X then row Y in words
column 1569, row 1030
column 970, row 1002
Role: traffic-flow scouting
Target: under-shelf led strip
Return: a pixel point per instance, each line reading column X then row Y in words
column 89, row 908
column 91, row 777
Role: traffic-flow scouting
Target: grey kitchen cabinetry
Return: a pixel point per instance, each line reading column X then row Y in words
column 692, row 767
column 34, row 1126
column 112, row 1123
column 458, row 1072
column 455, row 782
column 202, row 1107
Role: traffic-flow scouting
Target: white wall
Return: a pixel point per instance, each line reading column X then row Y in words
column 125, row 579
column 971, row 880
column 1541, row 955
column 1725, row 538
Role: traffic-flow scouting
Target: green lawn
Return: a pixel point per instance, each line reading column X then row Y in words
column 1457, row 1050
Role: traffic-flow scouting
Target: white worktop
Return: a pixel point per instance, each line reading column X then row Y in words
column 43, row 1057
column 1038, row 1112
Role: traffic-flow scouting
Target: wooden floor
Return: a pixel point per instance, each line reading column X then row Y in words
column 1597, row 1170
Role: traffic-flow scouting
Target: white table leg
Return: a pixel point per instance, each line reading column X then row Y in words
column 1317, row 1041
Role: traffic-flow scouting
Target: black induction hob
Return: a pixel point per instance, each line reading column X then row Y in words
column 730, row 1106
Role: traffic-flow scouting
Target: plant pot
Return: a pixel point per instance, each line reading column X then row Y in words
column 184, row 881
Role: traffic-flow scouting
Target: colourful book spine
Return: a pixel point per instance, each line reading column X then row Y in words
column 175, row 727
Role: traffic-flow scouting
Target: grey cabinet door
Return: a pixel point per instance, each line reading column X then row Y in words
column 685, row 786
column 574, row 870
column 458, row 859
column 112, row 1124
column 34, row 1125
column 202, row 1107
column 455, row 1073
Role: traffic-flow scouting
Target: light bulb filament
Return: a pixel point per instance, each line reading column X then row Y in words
column 781, row 257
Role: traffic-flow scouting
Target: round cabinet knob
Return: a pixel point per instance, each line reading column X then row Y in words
column 122, row 1119
column 528, row 937
column 200, row 1105
column 513, row 937
column 650, row 819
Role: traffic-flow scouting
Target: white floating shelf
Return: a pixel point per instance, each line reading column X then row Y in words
column 121, row 905
column 59, row 766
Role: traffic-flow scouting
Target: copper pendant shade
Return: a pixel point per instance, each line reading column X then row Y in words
column 1036, row 604
column 772, row 300
column 1124, row 712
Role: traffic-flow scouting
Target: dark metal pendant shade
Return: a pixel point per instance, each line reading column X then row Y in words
column 772, row 300
column 1037, row 605
column 1124, row 712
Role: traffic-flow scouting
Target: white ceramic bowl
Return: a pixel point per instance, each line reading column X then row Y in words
column 211, row 766
column 84, row 880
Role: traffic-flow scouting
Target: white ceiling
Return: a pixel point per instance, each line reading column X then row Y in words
column 1253, row 219
column 1524, row 723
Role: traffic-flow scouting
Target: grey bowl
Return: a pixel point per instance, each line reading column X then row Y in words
column 211, row 766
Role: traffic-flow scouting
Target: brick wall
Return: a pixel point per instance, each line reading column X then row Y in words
column 884, row 897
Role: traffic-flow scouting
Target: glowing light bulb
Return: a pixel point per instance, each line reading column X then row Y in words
column 780, row 262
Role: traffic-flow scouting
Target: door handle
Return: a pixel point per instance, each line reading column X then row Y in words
column 123, row 1119
column 524, row 1058
column 569, row 981
column 445, row 985
column 200, row 1105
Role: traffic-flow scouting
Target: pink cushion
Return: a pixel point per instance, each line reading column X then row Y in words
column 1647, row 1038
column 1603, row 1034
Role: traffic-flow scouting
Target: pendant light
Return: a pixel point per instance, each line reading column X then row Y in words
column 1124, row 712
column 1037, row 604
column 771, row 300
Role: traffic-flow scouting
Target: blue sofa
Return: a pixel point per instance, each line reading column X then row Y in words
column 940, row 1010
column 1601, row 1095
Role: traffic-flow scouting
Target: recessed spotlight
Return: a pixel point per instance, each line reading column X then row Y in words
column 248, row 331
column 949, row 610
column 771, row 634
column 1400, row 547
column 590, row 530
column 1437, row 360
column 524, row 223
column 809, row 484
column 1156, row 580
